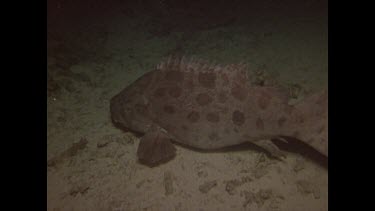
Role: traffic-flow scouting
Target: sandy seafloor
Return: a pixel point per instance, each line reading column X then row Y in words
column 93, row 59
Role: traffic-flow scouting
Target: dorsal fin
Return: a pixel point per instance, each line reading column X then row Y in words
column 185, row 64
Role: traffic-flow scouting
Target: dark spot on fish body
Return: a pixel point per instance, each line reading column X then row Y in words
column 238, row 118
column 160, row 92
column 193, row 116
column 203, row 99
column 175, row 92
column 207, row 80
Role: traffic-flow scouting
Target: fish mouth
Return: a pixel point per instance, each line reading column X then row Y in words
column 126, row 129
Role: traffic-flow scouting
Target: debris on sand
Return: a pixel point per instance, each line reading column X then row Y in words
column 207, row 186
column 70, row 152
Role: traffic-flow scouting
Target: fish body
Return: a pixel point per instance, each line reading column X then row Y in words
column 206, row 106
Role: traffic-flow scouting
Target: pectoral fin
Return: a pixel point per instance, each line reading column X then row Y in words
column 155, row 147
column 271, row 148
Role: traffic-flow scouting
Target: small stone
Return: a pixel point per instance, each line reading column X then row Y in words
column 207, row 186
column 316, row 193
column 262, row 195
column 299, row 165
column 202, row 174
column 231, row 185
column 265, row 194
column 168, row 183
column 275, row 203
column 305, row 187
column 140, row 183
column 79, row 188
column 68, row 85
column 61, row 119
column 127, row 139
column 104, row 141
column 81, row 77
column 260, row 172
column 246, row 179
column 70, row 152
column 249, row 198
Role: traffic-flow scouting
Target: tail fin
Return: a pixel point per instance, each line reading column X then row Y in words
column 314, row 130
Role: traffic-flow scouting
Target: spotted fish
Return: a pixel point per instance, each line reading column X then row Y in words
column 206, row 106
